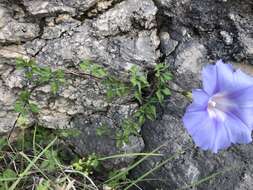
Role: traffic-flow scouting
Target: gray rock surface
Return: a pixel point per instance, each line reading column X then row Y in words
column 185, row 34
column 58, row 34
column 205, row 31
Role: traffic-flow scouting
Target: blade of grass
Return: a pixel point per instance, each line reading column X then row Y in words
column 34, row 165
column 203, row 180
column 128, row 155
column 81, row 173
column 153, row 169
column 8, row 179
column 34, row 140
column 133, row 166
column 25, row 172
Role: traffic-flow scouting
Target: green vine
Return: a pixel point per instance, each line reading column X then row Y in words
column 36, row 75
column 146, row 94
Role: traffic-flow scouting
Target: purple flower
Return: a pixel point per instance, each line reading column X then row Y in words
column 222, row 112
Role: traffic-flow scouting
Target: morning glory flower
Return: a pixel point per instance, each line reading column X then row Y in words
column 222, row 112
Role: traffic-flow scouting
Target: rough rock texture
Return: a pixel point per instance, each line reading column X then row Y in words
column 204, row 31
column 61, row 34
column 185, row 34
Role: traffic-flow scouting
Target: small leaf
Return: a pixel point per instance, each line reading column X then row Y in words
column 50, row 163
column 23, row 121
column 141, row 120
column 98, row 71
column 24, row 95
column 34, row 108
column 29, row 75
column 143, row 79
column 19, row 107
column 8, row 173
column 43, row 185
column 166, row 91
column 151, row 112
column 20, row 63
column 167, row 76
column 85, row 65
column 54, row 87
column 160, row 96
column 93, row 69
column 134, row 81
column 59, row 74
column 138, row 96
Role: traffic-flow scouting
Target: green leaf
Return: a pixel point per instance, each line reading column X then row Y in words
column 9, row 173
column 85, row 65
column 134, row 81
column 22, row 121
column 34, row 108
column 43, row 185
column 134, row 70
column 114, row 88
column 143, row 80
column 19, row 106
column 50, row 163
column 93, row 69
column 138, row 96
column 98, row 71
column 44, row 74
column 54, row 87
column 167, row 76
column 59, row 74
column 151, row 112
column 160, row 96
column 29, row 75
column 23, row 63
column 141, row 119
column 166, row 91
column 24, row 95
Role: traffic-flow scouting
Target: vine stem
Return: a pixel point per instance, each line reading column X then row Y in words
column 13, row 127
column 83, row 75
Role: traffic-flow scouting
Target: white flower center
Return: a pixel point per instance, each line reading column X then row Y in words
column 211, row 104
column 218, row 105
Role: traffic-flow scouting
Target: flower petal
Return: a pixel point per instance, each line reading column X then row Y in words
column 225, row 76
column 200, row 97
column 222, row 139
column 242, row 97
column 243, row 100
column 205, row 134
column 193, row 119
column 242, row 80
column 237, row 130
column 201, row 128
column 217, row 77
column 209, row 76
